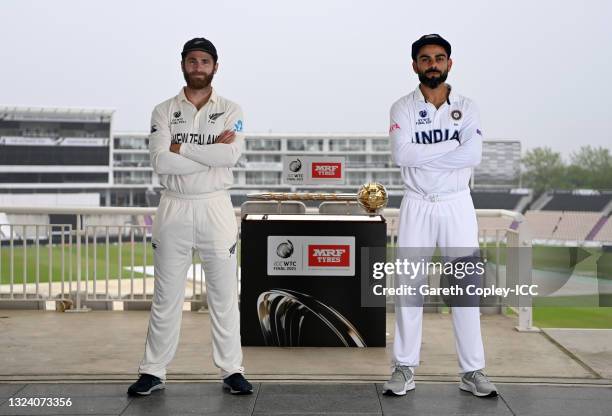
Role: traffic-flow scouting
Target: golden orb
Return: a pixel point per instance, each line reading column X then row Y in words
column 372, row 197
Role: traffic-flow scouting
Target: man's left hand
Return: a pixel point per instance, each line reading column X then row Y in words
column 175, row 147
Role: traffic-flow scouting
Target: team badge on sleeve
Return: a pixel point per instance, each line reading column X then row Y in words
column 153, row 128
column 238, row 126
column 478, row 132
column 393, row 127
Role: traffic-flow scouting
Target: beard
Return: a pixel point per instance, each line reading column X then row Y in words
column 198, row 83
column 433, row 82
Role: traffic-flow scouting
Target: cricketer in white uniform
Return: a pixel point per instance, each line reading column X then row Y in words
column 196, row 138
column 436, row 139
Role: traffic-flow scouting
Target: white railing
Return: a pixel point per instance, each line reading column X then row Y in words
column 92, row 279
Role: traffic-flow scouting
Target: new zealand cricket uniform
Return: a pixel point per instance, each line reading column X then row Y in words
column 436, row 150
column 194, row 213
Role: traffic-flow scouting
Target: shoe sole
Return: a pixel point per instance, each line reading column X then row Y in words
column 237, row 392
column 471, row 388
column 148, row 392
column 408, row 386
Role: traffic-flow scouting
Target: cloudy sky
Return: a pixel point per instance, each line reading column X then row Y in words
column 539, row 70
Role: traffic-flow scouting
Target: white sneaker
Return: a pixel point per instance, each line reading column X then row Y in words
column 478, row 384
column 401, row 381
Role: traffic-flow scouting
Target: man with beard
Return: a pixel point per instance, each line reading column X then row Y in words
column 436, row 140
column 196, row 137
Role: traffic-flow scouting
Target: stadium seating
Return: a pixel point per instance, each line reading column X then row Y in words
column 605, row 233
column 559, row 225
column 488, row 225
column 542, row 224
column 495, row 200
column 575, row 225
column 576, row 202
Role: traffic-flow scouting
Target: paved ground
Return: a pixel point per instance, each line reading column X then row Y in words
column 108, row 345
column 308, row 399
column 591, row 346
column 555, row 373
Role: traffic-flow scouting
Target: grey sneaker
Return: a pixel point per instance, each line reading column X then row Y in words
column 401, row 381
column 478, row 384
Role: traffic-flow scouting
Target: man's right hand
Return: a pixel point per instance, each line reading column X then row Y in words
column 226, row 137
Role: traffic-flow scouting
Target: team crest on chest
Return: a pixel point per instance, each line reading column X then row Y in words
column 456, row 115
column 214, row 116
column 177, row 118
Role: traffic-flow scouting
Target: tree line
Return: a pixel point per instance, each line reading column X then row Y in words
column 587, row 168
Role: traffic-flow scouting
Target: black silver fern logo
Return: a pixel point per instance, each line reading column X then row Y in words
column 215, row 116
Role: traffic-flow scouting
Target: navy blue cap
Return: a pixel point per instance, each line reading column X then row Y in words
column 432, row 39
column 200, row 44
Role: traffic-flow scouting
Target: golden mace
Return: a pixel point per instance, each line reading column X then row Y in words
column 371, row 196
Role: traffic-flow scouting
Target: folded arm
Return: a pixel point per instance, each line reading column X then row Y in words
column 165, row 162
column 406, row 153
column 219, row 154
column 469, row 153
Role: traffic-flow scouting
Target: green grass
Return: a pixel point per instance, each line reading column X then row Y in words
column 547, row 312
column 113, row 269
column 559, row 259
column 571, row 312
column 572, row 317
column 56, row 262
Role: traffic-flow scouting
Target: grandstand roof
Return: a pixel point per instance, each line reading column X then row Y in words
column 55, row 114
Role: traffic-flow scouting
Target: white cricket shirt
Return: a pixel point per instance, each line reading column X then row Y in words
column 202, row 165
column 435, row 148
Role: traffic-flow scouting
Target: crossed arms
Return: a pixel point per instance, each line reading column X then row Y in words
column 445, row 155
column 186, row 158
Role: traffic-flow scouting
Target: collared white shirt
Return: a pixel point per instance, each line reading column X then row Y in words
column 202, row 165
column 436, row 148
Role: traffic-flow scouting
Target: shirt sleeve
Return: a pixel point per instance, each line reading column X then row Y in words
column 469, row 153
column 164, row 161
column 408, row 154
column 220, row 154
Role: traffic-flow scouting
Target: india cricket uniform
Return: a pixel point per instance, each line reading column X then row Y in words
column 194, row 213
column 436, row 150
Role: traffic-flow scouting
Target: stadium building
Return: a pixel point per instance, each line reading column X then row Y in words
column 69, row 156
column 60, row 150
column 54, row 149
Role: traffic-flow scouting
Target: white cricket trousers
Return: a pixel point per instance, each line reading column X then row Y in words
column 448, row 221
column 207, row 224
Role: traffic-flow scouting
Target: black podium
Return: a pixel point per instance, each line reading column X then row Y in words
column 302, row 278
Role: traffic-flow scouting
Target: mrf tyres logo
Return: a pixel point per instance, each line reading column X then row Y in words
column 329, row 255
column 310, row 255
column 326, row 170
